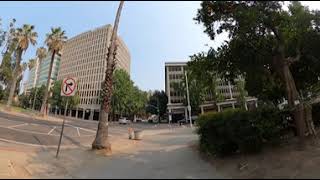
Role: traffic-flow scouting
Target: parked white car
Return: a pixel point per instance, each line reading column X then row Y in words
column 123, row 121
column 153, row 119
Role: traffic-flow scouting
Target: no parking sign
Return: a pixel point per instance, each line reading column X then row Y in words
column 68, row 86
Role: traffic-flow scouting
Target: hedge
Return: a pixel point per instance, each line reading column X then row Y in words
column 238, row 130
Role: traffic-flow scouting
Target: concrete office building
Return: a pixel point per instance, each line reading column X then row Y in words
column 84, row 57
column 174, row 72
column 38, row 75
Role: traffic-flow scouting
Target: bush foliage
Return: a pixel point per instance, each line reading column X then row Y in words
column 238, row 130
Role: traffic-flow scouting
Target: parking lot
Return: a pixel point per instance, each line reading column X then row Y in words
column 42, row 133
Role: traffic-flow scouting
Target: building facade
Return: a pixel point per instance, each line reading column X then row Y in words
column 38, row 75
column 175, row 72
column 84, row 57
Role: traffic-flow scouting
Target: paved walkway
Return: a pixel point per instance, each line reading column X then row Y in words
column 166, row 155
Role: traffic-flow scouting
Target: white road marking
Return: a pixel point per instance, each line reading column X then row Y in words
column 37, row 145
column 89, row 130
column 18, row 125
column 78, row 131
column 35, row 132
column 52, row 130
column 85, row 129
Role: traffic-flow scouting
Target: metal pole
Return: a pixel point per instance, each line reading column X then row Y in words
column 65, row 113
column 188, row 99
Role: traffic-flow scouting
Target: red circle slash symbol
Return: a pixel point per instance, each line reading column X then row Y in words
column 71, row 86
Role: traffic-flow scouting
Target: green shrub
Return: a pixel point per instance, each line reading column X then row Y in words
column 270, row 122
column 235, row 130
column 316, row 114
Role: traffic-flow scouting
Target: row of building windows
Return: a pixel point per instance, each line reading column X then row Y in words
column 176, row 94
column 84, row 57
column 89, row 93
column 174, row 68
column 90, row 101
column 175, row 76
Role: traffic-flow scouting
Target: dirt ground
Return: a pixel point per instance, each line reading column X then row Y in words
column 290, row 160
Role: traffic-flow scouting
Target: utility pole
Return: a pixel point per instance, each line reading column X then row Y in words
column 188, row 99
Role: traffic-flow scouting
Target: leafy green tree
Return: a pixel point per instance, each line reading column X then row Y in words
column 23, row 36
column 158, row 99
column 200, row 70
column 1, row 92
column 122, row 92
column 240, row 86
column 127, row 99
column 266, row 43
column 6, row 67
column 55, row 40
column 23, row 67
column 24, row 101
column 36, row 97
column 197, row 92
column 138, row 101
column 2, row 33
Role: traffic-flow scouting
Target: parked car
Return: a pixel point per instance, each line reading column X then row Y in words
column 144, row 120
column 184, row 121
column 123, row 121
column 138, row 120
column 153, row 119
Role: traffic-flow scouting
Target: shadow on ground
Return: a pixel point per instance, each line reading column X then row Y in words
column 158, row 156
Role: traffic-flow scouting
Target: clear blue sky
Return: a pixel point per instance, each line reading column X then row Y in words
column 155, row 32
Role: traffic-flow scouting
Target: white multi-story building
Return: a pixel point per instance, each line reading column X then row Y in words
column 175, row 72
column 84, row 57
column 38, row 75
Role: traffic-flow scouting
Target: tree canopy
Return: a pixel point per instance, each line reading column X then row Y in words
column 126, row 99
column 273, row 48
column 27, row 100
column 158, row 99
column 256, row 29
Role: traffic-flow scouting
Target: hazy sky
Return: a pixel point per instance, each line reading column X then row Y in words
column 155, row 32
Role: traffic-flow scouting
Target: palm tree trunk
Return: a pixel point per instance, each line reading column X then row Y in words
column 101, row 141
column 34, row 99
column 46, row 92
column 14, row 77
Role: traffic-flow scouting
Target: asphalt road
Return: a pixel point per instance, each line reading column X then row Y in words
column 33, row 132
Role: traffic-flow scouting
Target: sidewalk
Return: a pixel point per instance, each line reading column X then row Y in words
column 156, row 156
column 12, row 163
column 166, row 155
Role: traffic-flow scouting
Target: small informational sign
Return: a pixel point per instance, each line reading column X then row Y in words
column 69, row 86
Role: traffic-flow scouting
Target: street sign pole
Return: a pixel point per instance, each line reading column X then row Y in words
column 68, row 88
column 62, row 128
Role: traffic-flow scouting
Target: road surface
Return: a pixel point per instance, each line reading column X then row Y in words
column 29, row 131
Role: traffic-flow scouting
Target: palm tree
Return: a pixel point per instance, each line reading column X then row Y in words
column 41, row 54
column 31, row 63
column 23, row 36
column 23, row 67
column 55, row 41
column 101, row 140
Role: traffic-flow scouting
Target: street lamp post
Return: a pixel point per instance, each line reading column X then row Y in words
column 188, row 99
